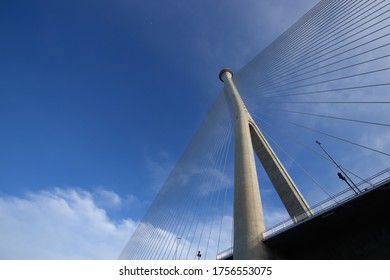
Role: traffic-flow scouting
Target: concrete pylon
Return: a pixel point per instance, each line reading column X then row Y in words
column 291, row 197
column 248, row 213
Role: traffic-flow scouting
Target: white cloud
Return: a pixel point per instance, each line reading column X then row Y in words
column 105, row 198
column 60, row 224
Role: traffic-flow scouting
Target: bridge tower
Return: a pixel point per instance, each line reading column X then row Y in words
column 248, row 213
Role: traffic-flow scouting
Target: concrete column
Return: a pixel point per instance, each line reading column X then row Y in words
column 248, row 212
column 292, row 199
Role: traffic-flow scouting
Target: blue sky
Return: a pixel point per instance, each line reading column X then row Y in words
column 98, row 99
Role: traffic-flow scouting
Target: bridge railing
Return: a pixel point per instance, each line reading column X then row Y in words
column 225, row 254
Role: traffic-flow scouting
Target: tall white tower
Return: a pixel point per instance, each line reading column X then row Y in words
column 248, row 212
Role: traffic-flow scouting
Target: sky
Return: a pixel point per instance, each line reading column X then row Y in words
column 98, row 100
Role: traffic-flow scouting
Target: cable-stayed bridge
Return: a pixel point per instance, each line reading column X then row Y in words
column 313, row 106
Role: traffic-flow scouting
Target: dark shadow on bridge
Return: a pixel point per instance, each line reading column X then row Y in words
column 358, row 229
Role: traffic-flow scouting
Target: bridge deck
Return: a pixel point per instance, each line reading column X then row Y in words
column 356, row 228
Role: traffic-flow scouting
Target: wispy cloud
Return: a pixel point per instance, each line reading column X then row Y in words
column 274, row 215
column 106, row 198
column 61, row 224
column 159, row 168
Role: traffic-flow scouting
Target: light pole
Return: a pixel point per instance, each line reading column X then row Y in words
column 342, row 171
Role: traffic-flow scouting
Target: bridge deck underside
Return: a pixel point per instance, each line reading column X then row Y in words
column 358, row 229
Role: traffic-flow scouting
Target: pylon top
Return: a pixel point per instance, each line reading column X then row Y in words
column 223, row 71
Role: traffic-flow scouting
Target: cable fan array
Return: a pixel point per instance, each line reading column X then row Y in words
column 327, row 79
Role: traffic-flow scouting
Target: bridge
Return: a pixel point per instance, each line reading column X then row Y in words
column 313, row 108
column 335, row 230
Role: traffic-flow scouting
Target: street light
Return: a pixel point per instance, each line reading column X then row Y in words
column 342, row 171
